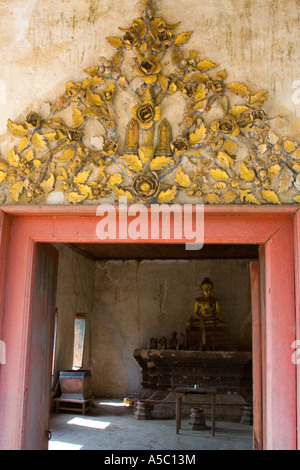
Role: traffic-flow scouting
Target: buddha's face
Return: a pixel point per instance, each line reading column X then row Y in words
column 206, row 289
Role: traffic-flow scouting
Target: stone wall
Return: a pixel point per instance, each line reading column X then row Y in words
column 74, row 295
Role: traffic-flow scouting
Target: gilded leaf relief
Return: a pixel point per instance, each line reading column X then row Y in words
column 232, row 159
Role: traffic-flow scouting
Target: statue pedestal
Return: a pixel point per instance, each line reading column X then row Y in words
column 215, row 340
column 229, row 372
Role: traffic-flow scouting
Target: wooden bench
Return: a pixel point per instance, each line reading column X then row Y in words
column 85, row 405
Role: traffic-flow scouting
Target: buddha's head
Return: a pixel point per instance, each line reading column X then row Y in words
column 207, row 287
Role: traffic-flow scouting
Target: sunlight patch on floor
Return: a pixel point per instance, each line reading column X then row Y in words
column 58, row 445
column 89, row 423
column 112, row 403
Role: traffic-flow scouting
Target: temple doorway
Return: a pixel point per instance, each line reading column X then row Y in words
column 28, row 264
column 133, row 298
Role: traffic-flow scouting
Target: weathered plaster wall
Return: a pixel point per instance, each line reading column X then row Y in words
column 43, row 46
column 74, row 295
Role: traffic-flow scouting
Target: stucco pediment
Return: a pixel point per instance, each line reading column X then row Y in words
column 222, row 149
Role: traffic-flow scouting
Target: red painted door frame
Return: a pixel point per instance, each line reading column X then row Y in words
column 276, row 230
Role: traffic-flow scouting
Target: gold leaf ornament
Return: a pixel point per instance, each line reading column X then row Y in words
column 167, row 196
column 239, row 89
column 274, row 171
column 115, row 180
column 3, row 176
column 132, row 161
column 182, row 178
column 76, row 198
column 50, row 136
column 200, row 94
column 248, row 196
column 82, row 177
column 163, row 82
column 158, row 163
column 197, row 136
column 229, row 197
column 39, row 142
column 3, row 164
column 16, row 190
column 212, row 198
column 67, row 155
column 77, row 117
column 13, row 158
column 94, row 98
column 48, row 184
column 183, row 38
column 119, row 192
column 218, row 174
column 259, row 98
column 236, row 110
column 85, row 190
column 206, row 65
column 93, row 71
column 296, row 154
column 91, row 82
column 230, row 146
column 29, row 156
column 37, row 163
column 225, row 159
column 247, row 173
column 146, row 152
column 115, row 42
column 289, row 145
column 23, row 144
column 270, row 196
column 16, row 130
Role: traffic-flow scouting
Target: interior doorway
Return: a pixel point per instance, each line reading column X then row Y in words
column 130, row 294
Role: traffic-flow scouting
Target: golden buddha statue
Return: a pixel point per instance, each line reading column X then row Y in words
column 212, row 331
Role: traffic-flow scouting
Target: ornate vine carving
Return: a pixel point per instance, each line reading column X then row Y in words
column 225, row 152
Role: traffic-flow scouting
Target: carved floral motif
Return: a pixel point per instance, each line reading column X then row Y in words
column 235, row 158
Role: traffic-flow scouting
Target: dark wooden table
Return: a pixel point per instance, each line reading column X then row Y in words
column 182, row 392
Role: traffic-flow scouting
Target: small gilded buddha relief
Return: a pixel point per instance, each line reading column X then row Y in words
column 164, row 138
column 132, row 137
column 206, row 330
